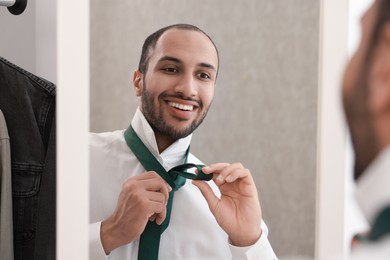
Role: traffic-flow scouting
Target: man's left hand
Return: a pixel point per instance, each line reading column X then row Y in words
column 238, row 211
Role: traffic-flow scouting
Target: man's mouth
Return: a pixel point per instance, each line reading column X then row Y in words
column 181, row 106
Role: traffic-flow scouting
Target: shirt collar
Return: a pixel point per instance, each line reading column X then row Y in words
column 174, row 154
column 372, row 190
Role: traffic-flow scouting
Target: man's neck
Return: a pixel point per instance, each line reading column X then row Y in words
column 163, row 141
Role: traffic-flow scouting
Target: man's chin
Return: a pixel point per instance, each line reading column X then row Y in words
column 179, row 133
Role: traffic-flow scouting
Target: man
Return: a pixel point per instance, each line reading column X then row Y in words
column 366, row 92
column 175, row 82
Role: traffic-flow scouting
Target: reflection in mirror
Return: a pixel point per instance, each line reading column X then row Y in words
column 264, row 113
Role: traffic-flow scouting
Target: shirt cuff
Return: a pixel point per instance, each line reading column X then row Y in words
column 260, row 250
column 96, row 251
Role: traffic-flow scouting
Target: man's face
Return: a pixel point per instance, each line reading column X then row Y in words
column 178, row 87
column 355, row 98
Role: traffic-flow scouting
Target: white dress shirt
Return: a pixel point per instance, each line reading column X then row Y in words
column 373, row 195
column 193, row 232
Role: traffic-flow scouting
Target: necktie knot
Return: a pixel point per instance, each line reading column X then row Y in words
column 179, row 174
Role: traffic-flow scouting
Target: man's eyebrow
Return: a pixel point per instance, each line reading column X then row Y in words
column 207, row 65
column 176, row 60
column 170, row 58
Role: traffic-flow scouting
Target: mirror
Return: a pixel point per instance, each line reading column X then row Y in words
column 264, row 112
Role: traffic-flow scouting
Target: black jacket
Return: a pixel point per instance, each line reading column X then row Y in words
column 28, row 104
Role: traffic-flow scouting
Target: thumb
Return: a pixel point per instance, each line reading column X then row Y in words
column 207, row 193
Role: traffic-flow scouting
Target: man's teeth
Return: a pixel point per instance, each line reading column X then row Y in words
column 181, row 106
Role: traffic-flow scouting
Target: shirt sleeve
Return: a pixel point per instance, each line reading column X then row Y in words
column 96, row 251
column 262, row 249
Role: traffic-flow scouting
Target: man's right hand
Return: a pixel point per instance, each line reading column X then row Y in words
column 142, row 198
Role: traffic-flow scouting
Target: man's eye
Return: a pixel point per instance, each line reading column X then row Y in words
column 203, row 75
column 170, row 70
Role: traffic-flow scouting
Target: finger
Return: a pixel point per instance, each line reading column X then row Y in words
column 152, row 218
column 228, row 170
column 232, row 173
column 161, row 216
column 156, row 196
column 156, row 185
column 156, row 212
column 158, row 206
column 151, row 175
column 207, row 193
column 131, row 185
column 214, row 168
column 147, row 175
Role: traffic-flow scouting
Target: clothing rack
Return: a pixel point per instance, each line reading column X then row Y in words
column 15, row 7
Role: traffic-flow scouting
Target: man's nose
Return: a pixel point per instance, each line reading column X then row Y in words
column 186, row 85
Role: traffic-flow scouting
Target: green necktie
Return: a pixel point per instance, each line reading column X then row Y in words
column 381, row 225
column 380, row 228
column 175, row 177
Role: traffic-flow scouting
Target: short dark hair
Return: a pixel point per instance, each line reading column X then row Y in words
column 151, row 41
column 382, row 17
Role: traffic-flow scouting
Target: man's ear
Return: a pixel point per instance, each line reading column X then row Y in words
column 138, row 82
column 379, row 83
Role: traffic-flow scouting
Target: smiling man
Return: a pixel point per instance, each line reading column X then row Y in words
column 141, row 208
column 176, row 89
column 366, row 96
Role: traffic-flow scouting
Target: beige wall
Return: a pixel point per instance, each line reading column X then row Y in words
column 265, row 110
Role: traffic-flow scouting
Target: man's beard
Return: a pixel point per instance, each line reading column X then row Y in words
column 155, row 116
column 360, row 122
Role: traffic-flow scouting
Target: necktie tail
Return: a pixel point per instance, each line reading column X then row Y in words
column 176, row 177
